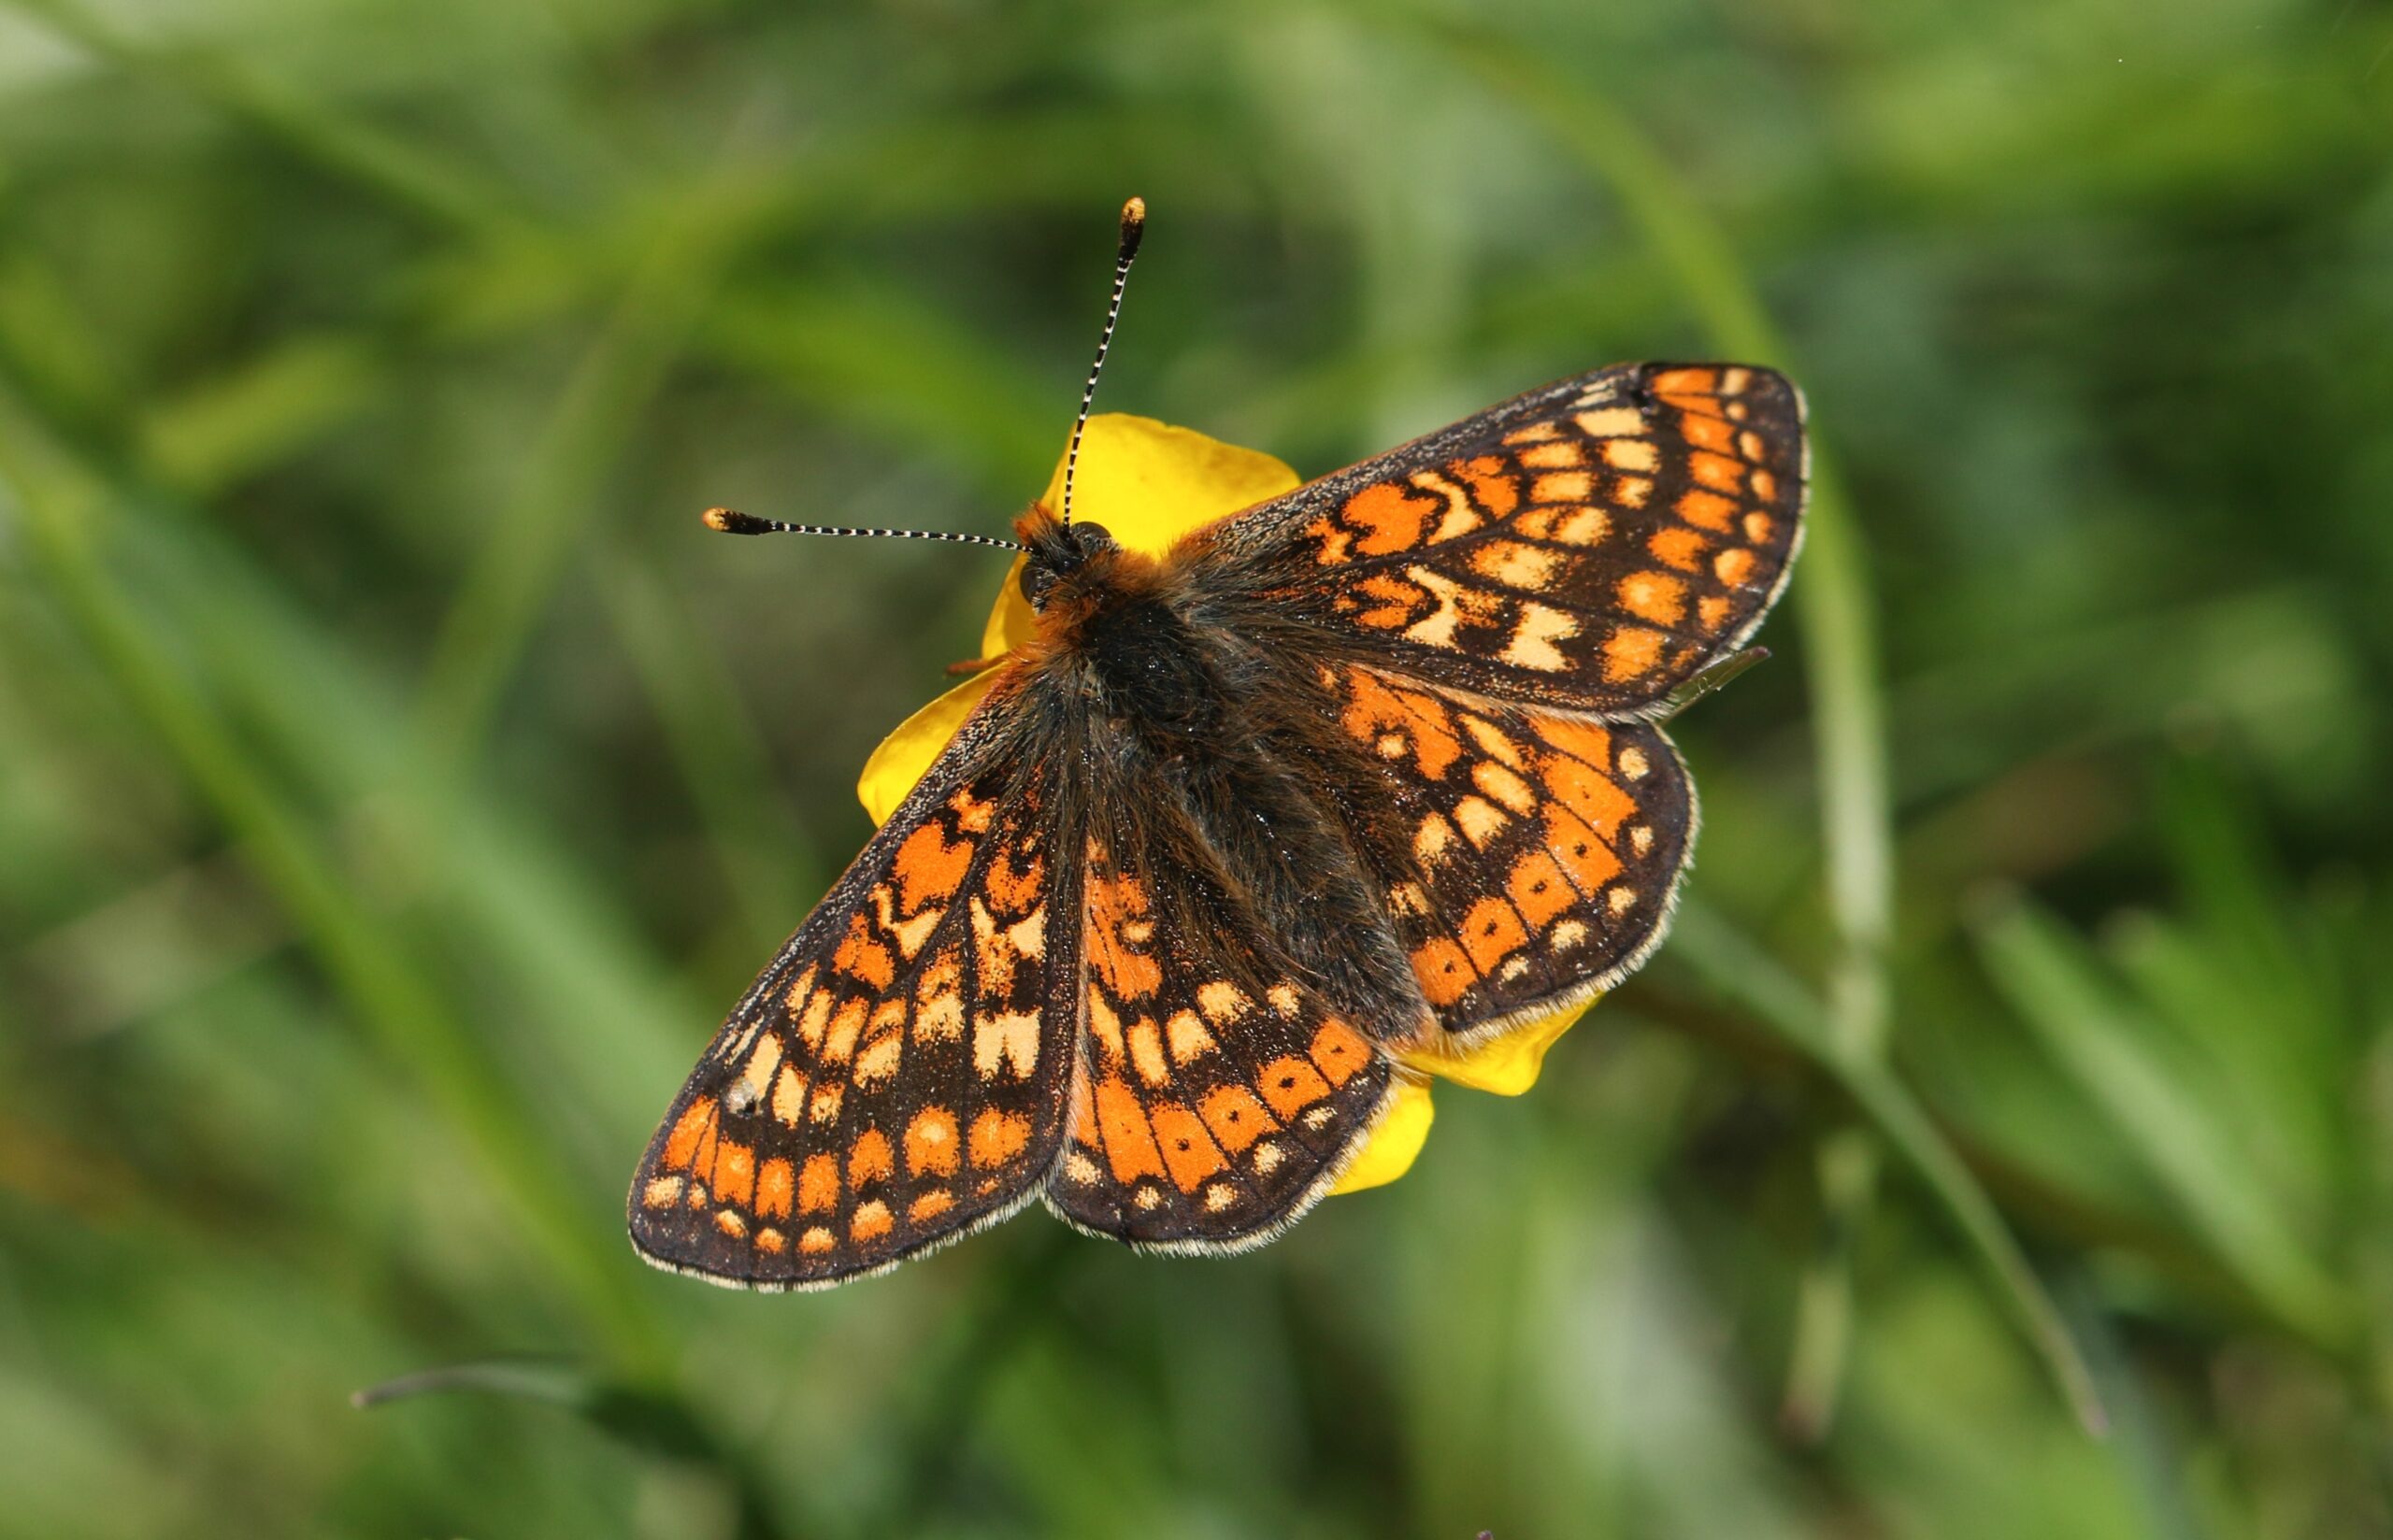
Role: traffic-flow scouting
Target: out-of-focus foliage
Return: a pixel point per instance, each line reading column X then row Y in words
column 396, row 782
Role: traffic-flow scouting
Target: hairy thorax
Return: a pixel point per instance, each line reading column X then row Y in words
column 1240, row 742
column 1111, row 629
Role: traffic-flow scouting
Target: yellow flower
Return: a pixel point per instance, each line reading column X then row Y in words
column 1149, row 483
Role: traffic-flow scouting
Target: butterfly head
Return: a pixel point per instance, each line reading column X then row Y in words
column 1065, row 561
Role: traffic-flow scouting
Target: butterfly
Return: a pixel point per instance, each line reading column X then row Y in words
column 1369, row 767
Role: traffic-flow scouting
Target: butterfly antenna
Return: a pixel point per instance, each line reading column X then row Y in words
column 733, row 522
column 1134, row 224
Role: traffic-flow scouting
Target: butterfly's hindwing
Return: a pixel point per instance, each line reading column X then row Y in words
column 1219, row 1094
column 1588, row 546
column 898, row 1075
column 1531, row 859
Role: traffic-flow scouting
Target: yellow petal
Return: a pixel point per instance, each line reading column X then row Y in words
column 1010, row 618
column 1507, row 1065
column 1399, row 1136
column 1148, row 483
column 905, row 755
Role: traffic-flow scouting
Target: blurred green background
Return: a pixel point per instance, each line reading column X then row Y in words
column 396, row 783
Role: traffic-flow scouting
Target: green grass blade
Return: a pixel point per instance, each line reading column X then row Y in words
column 2095, row 1038
column 61, row 509
column 718, row 750
column 341, row 143
column 508, row 585
column 1744, row 974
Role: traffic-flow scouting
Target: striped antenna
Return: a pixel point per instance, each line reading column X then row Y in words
column 1134, row 224
column 733, row 522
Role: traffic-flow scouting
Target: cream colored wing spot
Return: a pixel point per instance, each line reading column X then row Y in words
column 1517, row 565
column 1612, row 423
column 1145, row 1043
column 1632, row 454
column 1479, row 820
column 1533, row 637
column 1222, row 1002
column 1458, row 518
column 789, row 1096
column 1504, row 786
column 1433, row 839
column 1438, row 628
column 1187, row 1038
column 1006, row 1045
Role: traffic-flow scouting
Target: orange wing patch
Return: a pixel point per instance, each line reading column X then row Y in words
column 1538, row 857
column 1588, row 546
column 897, row 1075
column 1210, row 1110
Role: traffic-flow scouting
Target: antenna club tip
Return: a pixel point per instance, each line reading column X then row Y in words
column 733, row 522
column 1134, row 224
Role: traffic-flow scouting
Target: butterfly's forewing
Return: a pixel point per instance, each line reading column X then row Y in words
column 1587, row 546
column 1531, row 860
column 898, row 1075
column 1220, row 1094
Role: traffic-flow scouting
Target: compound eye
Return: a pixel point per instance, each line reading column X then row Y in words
column 1094, row 537
column 1038, row 581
